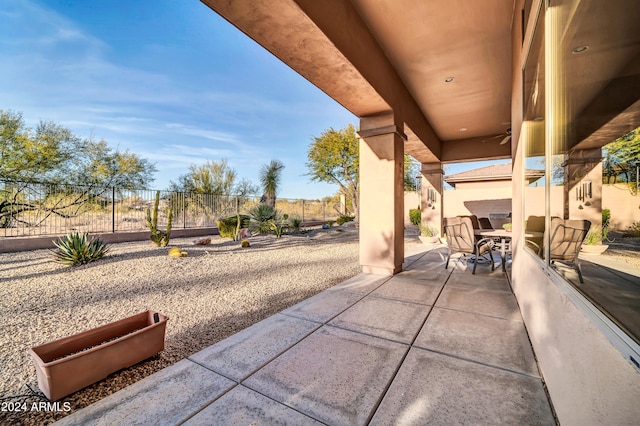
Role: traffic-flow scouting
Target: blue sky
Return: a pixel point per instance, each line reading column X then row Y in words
column 168, row 80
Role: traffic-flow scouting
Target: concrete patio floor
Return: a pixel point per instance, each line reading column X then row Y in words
column 428, row 345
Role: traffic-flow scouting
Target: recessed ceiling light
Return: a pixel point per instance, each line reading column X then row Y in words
column 580, row 49
column 463, row 129
column 448, row 79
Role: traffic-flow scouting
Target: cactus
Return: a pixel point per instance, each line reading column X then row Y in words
column 160, row 238
column 177, row 252
column 236, row 235
column 245, row 244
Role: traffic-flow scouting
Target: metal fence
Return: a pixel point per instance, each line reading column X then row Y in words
column 37, row 209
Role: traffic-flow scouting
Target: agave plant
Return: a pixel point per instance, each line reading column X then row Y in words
column 75, row 249
column 261, row 217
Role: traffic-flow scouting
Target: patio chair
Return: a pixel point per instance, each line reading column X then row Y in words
column 485, row 223
column 460, row 238
column 474, row 220
column 566, row 240
column 534, row 224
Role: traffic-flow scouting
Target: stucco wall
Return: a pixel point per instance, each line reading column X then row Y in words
column 482, row 201
column 624, row 206
column 589, row 380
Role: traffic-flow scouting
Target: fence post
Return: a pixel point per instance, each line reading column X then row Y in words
column 113, row 209
column 184, row 210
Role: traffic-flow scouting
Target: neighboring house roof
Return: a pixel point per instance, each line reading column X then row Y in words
column 491, row 173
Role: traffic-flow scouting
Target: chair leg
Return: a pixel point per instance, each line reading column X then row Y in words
column 475, row 262
column 493, row 263
column 446, row 265
column 577, row 266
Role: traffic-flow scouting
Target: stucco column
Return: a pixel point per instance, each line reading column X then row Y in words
column 381, row 194
column 432, row 195
column 583, row 185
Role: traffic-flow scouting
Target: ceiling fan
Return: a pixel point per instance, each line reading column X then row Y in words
column 506, row 137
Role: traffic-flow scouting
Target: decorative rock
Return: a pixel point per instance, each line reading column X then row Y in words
column 202, row 242
column 245, row 233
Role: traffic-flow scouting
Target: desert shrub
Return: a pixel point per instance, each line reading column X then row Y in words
column 428, row 230
column 343, row 219
column 75, row 249
column 278, row 225
column 295, row 224
column 606, row 217
column 415, row 216
column 594, row 236
column 227, row 226
column 634, row 229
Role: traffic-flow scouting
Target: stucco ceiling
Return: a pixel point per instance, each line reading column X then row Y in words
column 430, row 41
column 375, row 55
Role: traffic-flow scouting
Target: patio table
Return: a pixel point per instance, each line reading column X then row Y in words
column 505, row 236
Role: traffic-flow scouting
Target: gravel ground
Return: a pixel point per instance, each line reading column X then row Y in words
column 216, row 291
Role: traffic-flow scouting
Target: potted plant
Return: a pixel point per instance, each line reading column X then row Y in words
column 507, row 227
column 429, row 234
column 69, row 364
column 592, row 243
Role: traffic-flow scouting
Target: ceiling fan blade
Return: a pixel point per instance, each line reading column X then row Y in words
column 505, row 140
column 492, row 138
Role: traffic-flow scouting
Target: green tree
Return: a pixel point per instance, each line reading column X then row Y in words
column 622, row 158
column 270, row 177
column 411, row 170
column 213, row 177
column 43, row 153
column 51, row 153
column 333, row 158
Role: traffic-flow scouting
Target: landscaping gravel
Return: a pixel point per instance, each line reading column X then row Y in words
column 217, row 290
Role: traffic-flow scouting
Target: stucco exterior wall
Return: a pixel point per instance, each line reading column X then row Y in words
column 624, row 206
column 589, row 380
column 481, row 202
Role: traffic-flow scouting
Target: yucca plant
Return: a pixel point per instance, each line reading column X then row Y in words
column 75, row 249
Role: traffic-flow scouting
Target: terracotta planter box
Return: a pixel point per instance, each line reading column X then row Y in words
column 69, row 364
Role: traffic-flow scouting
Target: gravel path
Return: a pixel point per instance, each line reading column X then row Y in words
column 216, row 291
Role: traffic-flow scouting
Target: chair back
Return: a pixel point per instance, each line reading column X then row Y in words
column 460, row 237
column 535, row 224
column 485, row 223
column 566, row 238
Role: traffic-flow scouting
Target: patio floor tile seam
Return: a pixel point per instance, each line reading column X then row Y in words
column 246, row 376
column 240, row 385
column 418, row 258
column 461, row 358
column 404, row 357
column 366, row 334
column 478, row 313
column 396, row 299
column 202, row 408
column 214, row 371
column 292, row 314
